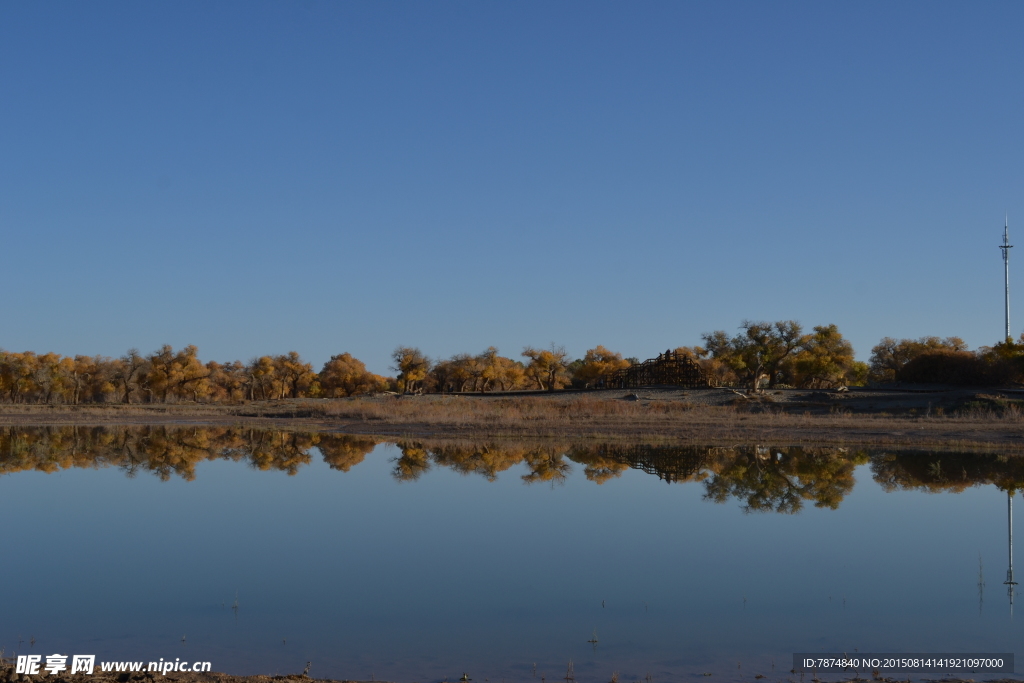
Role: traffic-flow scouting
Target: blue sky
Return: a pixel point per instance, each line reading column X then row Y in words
column 256, row 177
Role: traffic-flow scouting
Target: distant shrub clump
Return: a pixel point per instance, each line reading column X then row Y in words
column 989, row 366
column 961, row 368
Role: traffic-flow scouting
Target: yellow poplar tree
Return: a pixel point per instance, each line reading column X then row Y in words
column 547, row 367
column 599, row 363
column 345, row 375
column 412, row 368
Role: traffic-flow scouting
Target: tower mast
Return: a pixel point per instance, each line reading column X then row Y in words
column 1006, row 247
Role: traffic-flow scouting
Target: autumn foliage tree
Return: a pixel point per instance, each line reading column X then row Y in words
column 227, row 381
column 486, row 371
column 412, row 368
column 89, row 378
column 547, row 367
column 261, row 381
column 948, row 362
column 345, row 375
column 598, row 364
column 758, row 351
column 1008, row 358
column 180, row 374
column 762, row 353
column 890, row 355
column 128, row 371
column 296, row 376
column 826, row 360
column 170, row 376
column 716, row 368
column 497, row 371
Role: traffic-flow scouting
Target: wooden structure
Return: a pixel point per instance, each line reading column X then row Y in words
column 669, row 368
column 669, row 463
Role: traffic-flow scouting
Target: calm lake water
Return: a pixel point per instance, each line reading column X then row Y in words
column 260, row 551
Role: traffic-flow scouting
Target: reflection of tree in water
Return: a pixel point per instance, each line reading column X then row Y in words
column 763, row 479
column 283, row 451
column 771, row 480
column 414, row 461
column 344, row 451
column 954, row 472
column 545, row 463
column 163, row 451
column 783, row 479
column 485, row 460
column 668, row 463
column 951, row 472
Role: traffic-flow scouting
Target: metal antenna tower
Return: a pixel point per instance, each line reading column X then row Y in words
column 1006, row 247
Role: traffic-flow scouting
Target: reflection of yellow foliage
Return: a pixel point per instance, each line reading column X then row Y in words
column 546, row 464
column 598, row 467
column 764, row 479
column 484, row 460
column 343, row 452
column 414, row 461
column 164, row 451
column 952, row 472
column 782, row 479
column 284, row 451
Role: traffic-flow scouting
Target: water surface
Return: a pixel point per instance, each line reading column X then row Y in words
column 260, row 551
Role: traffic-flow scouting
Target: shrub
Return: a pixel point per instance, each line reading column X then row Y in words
column 942, row 366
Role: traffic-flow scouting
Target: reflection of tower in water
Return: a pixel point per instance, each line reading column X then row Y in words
column 1010, row 583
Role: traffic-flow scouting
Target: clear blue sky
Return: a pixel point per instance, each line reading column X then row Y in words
column 259, row 177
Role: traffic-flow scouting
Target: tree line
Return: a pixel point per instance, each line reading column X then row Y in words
column 781, row 354
column 169, row 376
column 761, row 355
column 772, row 355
